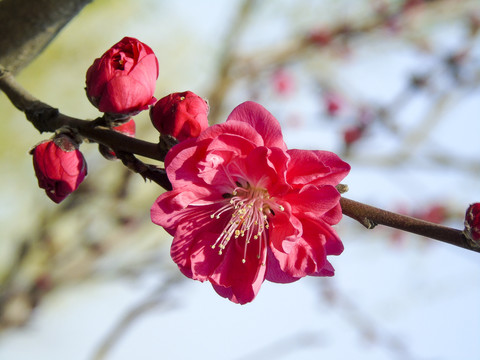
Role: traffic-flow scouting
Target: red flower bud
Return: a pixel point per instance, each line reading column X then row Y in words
column 472, row 223
column 123, row 80
column 128, row 128
column 320, row 37
column 59, row 166
column 181, row 115
column 352, row 135
column 333, row 103
column 283, row 82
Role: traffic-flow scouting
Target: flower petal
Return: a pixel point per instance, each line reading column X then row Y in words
column 314, row 200
column 274, row 271
column 237, row 280
column 170, row 208
column 304, row 256
column 264, row 123
column 268, row 172
column 284, row 227
column 194, row 234
column 315, row 167
column 233, row 127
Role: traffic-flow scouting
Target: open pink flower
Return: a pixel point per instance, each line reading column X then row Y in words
column 244, row 208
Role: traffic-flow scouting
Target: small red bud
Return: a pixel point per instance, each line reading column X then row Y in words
column 181, row 115
column 472, row 223
column 320, row 37
column 283, row 82
column 128, row 128
column 333, row 103
column 352, row 135
column 59, row 166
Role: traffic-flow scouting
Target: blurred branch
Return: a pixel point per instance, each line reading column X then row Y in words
column 363, row 322
column 227, row 60
column 28, row 26
column 152, row 301
column 289, row 344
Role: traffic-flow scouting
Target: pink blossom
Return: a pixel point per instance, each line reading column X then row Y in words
column 122, row 81
column 59, row 166
column 245, row 209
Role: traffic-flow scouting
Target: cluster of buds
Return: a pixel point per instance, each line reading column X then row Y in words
column 121, row 84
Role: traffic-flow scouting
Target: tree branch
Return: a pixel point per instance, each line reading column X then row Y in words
column 370, row 217
column 28, row 26
column 46, row 118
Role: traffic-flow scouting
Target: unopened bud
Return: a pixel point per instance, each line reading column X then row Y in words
column 181, row 115
column 122, row 81
column 128, row 128
column 59, row 166
column 472, row 223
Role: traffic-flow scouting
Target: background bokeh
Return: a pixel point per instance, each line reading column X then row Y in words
column 391, row 86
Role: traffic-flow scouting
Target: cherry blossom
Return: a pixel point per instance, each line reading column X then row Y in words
column 245, row 209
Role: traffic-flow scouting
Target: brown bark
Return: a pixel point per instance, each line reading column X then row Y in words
column 28, row 26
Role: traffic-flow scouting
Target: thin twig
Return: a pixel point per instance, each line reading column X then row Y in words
column 227, row 59
column 147, row 171
column 154, row 300
column 362, row 322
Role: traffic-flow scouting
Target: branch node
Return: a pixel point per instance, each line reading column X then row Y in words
column 369, row 224
column 41, row 116
column 342, row 188
column 165, row 144
column 471, row 242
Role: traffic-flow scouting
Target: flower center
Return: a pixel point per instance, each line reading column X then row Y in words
column 249, row 209
column 118, row 62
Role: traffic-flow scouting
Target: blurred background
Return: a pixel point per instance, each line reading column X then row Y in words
column 392, row 86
